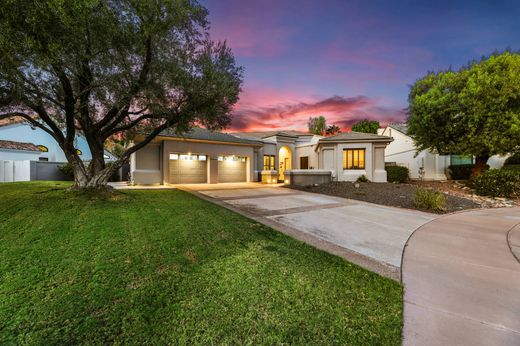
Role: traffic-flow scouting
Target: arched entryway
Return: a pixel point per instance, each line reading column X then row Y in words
column 284, row 161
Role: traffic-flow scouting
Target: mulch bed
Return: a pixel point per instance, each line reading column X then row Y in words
column 395, row 195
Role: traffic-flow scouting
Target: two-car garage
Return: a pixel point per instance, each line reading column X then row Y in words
column 189, row 168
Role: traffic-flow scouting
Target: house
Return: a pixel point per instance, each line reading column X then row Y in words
column 203, row 156
column 425, row 164
column 29, row 153
column 34, row 144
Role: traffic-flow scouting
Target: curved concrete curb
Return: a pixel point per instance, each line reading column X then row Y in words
column 513, row 239
column 461, row 280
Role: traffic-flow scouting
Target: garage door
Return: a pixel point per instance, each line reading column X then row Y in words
column 188, row 168
column 232, row 169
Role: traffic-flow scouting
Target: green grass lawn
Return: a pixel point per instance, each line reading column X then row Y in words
column 165, row 267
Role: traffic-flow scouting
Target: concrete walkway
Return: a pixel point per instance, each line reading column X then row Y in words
column 370, row 235
column 462, row 281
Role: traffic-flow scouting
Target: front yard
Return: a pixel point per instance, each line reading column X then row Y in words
column 164, row 267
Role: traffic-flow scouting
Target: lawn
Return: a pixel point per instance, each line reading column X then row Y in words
column 165, row 267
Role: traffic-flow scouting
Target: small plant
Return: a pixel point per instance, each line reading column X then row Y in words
column 397, row 174
column 66, row 169
column 498, row 183
column 362, row 179
column 429, row 199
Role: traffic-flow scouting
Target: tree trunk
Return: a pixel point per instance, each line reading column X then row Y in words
column 96, row 175
column 480, row 165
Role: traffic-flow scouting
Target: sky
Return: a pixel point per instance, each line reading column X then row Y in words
column 349, row 60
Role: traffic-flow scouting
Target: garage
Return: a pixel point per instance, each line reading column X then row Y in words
column 188, row 168
column 232, row 169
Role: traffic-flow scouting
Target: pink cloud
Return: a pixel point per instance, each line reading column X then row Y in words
column 342, row 111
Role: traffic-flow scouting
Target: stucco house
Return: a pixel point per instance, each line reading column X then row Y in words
column 203, row 156
column 425, row 164
column 34, row 144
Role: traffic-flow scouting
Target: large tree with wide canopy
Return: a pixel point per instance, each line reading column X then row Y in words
column 102, row 68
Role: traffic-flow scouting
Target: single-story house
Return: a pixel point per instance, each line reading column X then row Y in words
column 203, row 156
column 425, row 164
column 43, row 146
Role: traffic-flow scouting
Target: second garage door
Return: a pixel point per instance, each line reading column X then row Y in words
column 232, row 169
column 188, row 169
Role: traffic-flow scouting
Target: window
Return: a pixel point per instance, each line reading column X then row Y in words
column 43, row 159
column 353, row 158
column 79, row 152
column 43, row 148
column 304, row 162
column 268, row 162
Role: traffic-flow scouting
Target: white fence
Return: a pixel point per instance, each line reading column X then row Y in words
column 11, row 171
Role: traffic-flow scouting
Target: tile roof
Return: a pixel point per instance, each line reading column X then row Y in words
column 266, row 134
column 12, row 145
column 401, row 127
column 198, row 133
column 355, row 136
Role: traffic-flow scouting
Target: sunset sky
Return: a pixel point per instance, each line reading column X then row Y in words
column 349, row 60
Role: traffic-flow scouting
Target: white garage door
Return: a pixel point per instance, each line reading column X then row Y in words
column 232, row 169
column 188, row 168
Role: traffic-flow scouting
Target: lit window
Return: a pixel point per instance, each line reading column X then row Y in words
column 174, row 156
column 43, row 148
column 229, row 158
column 202, row 157
column 221, row 158
column 268, row 162
column 79, row 152
column 354, row 159
column 193, row 157
column 243, row 159
column 184, row 157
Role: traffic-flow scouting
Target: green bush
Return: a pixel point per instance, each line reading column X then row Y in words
column 512, row 168
column 66, row 169
column 498, row 183
column 397, row 174
column 362, row 179
column 460, row 172
column 514, row 159
column 429, row 199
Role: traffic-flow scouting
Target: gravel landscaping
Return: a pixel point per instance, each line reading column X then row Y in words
column 396, row 195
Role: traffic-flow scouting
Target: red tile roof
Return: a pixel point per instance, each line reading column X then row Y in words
column 18, row 146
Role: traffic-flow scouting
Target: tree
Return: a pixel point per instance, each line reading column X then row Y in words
column 317, row 125
column 472, row 111
column 104, row 68
column 332, row 130
column 366, row 126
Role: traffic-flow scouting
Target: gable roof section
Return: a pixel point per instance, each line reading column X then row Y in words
column 201, row 134
column 12, row 145
column 266, row 134
column 401, row 127
column 355, row 137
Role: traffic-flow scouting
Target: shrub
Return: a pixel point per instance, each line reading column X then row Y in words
column 512, row 168
column 66, row 169
column 460, row 172
column 398, row 174
column 514, row 159
column 429, row 199
column 362, row 179
column 498, row 183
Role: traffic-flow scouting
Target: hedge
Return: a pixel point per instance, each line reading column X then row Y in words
column 498, row 183
column 397, row 174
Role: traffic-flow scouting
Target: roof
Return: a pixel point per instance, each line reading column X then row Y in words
column 12, row 145
column 12, row 121
column 401, row 127
column 355, row 136
column 198, row 133
column 266, row 134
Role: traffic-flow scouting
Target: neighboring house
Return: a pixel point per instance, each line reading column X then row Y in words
column 18, row 151
column 203, row 156
column 424, row 164
column 48, row 150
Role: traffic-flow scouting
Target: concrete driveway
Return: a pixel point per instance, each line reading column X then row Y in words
column 462, row 280
column 370, row 235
